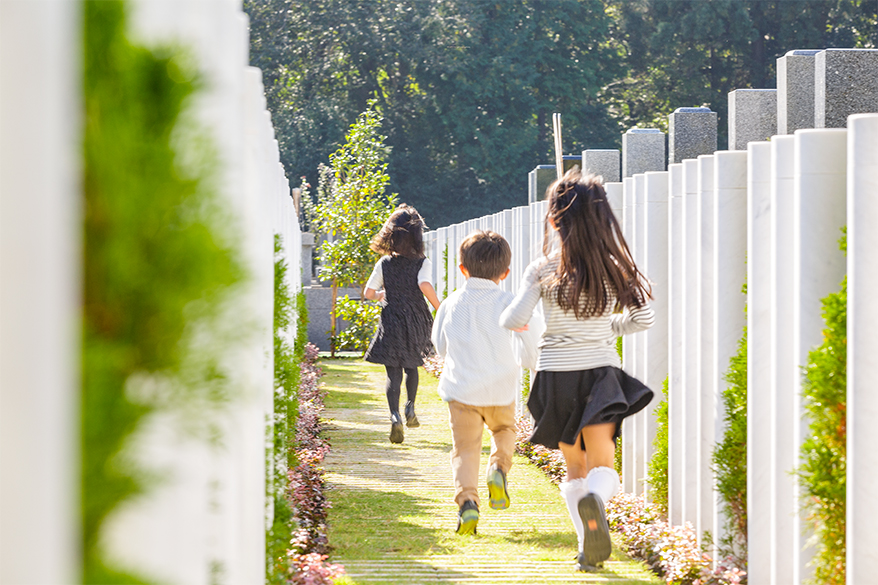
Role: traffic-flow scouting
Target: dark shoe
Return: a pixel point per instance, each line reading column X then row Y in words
column 497, row 488
column 468, row 518
column 583, row 567
column 411, row 419
column 596, row 545
column 397, row 435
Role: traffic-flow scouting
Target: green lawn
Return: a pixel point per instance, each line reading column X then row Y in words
column 393, row 517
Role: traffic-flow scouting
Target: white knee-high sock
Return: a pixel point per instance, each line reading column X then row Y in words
column 604, row 482
column 573, row 491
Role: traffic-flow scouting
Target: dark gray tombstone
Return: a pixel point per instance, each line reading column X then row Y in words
column 691, row 133
column 539, row 179
column 752, row 116
column 643, row 150
column 845, row 83
column 604, row 162
column 795, row 90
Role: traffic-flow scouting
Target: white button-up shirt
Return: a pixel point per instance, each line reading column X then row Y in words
column 482, row 359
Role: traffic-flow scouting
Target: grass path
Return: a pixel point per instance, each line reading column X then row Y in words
column 393, row 518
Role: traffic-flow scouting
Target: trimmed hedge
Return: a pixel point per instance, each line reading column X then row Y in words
column 658, row 463
column 822, row 475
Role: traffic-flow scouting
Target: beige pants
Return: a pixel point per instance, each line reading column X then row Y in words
column 467, row 424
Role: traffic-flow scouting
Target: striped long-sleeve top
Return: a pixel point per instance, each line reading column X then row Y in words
column 568, row 343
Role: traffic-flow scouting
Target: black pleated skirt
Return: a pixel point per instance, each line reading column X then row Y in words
column 562, row 403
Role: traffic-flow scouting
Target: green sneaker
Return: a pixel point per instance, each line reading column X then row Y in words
column 468, row 518
column 497, row 489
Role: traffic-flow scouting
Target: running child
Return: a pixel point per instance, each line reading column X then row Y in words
column 480, row 377
column 580, row 395
column 401, row 279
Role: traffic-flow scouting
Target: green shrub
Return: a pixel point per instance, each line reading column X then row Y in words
column 658, row 463
column 445, row 271
column 287, row 356
column 730, row 454
column 822, row 474
column 362, row 318
column 157, row 261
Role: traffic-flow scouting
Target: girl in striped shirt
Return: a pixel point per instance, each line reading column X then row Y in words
column 591, row 292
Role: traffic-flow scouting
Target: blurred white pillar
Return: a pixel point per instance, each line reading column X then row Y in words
column 705, row 308
column 759, row 387
column 676, row 320
column 862, row 348
column 691, row 341
column 655, row 339
column 819, row 183
column 729, row 302
column 40, row 250
column 783, row 451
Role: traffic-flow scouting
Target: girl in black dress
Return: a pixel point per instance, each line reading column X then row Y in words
column 401, row 278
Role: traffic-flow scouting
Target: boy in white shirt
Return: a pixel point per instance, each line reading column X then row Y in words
column 480, row 377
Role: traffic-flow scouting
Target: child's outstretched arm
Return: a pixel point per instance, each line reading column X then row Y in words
column 632, row 320
column 430, row 293
column 519, row 312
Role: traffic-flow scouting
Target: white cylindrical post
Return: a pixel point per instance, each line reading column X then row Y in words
column 639, row 338
column 862, row 348
column 783, row 452
column 615, row 198
column 40, row 263
column 629, row 428
column 819, row 182
column 691, row 340
column 729, row 302
column 759, row 387
column 676, row 316
column 706, row 394
column 655, row 339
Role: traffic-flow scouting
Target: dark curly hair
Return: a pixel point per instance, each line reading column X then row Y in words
column 402, row 234
column 595, row 260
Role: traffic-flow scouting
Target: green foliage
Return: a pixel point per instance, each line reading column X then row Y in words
column 466, row 86
column 822, row 474
column 730, row 455
column 617, row 457
column 288, row 354
column 156, row 264
column 658, row 463
column 362, row 318
column 351, row 206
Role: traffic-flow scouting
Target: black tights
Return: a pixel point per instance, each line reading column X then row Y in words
column 394, row 382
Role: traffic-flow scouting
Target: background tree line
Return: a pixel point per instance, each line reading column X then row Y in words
column 466, row 87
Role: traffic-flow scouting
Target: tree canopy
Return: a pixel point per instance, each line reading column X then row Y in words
column 466, row 87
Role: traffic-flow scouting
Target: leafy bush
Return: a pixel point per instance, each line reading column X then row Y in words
column 658, row 463
column 362, row 318
column 551, row 461
column 822, row 474
column 671, row 551
column 434, row 364
column 158, row 257
column 730, row 455
column 288, row 355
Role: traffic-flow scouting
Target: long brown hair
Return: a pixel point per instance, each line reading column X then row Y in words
column 595, row 260
column 402, row 234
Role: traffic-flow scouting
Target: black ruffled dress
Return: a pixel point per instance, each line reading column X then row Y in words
column 403, row 336
column 562, row 403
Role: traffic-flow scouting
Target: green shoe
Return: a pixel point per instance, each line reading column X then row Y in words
column 497, row 488
column 468, row 518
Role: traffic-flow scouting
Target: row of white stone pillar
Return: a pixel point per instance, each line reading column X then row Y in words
column 769, row 216
column 206, row 522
